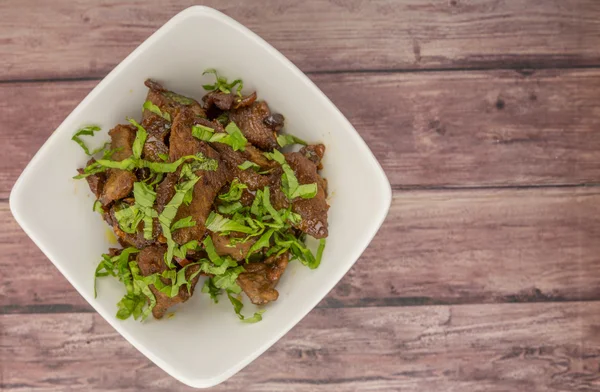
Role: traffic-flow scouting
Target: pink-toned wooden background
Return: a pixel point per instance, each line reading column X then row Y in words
column 485, row 115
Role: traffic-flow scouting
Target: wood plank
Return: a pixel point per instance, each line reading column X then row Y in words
column 65, row 38
column 527, row 347
column 427, row 129
column 450, row 247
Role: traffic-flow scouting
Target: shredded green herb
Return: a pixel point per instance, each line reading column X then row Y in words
column 291, row 187
column 212, row 290
column 221, row 83
column 233, row 136
column 218, row 223
column 170, row 210
column 88, row 131
column 248, row 164
column 148, row 105
column 286, row 140
column 237, row 307
column 132, row 163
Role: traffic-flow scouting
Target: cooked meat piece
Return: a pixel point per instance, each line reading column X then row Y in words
column 223, row 246
column 166, row 190
column 255, row 155
column 151, row 261
column 221, row 100
column 121, row 138
column 315, row 153
column 313, row 211
column 183, row 143
column 119, row 183
column 247, row 198
column 274, row 121
column 260, row 279
column 224, row 101
column 156, row 126
column 169, row 102
column 248, row 177
column 153, row 148
column 95, row 181
column 250, row 120
column 244, row 101
column 136, row 239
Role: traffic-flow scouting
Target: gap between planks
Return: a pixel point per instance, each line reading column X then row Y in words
column 525, row 69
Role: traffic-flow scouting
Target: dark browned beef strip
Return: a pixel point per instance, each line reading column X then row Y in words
column 119, row 183
column 315, row 153
column 223, row 246
column 313, row 211
column 251, row 122
column 248, row 177
column 151, row 261
column 183, row 143
column 224, row 101
column 166, row 190
column 153, row 148
column 169, row 102
column 156, row 126
column 95, row 181
column 221, row 100
column 260, row 279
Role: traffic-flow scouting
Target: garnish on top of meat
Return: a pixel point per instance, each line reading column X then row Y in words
column 204, row 190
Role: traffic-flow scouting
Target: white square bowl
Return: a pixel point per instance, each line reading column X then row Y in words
column 204, row 344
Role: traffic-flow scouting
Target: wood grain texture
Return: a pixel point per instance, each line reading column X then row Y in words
column 88, row 38
column 510, row 116
column 455, row 129
column 436, row 247
column 526, row 347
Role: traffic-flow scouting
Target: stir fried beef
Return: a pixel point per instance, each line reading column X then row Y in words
column 313, row 211
column 224, row 101
column 151, row 261
column 165, row 191
column 233, row 159
column 119, row 182
column 95, row 181
column 153, row 149
column 315, row 153
column 260, row 279
column 224, row 247
column 136, row 239
column 169, row 101
column 251, row 121
column 217, row 193
column 206, row 189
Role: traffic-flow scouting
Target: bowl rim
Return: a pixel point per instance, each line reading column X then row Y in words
column 15, row 201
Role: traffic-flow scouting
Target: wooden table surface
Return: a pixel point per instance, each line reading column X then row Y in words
column 485, row 115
